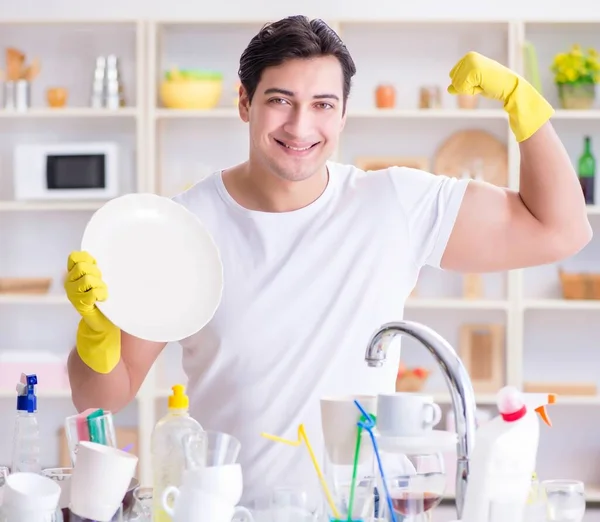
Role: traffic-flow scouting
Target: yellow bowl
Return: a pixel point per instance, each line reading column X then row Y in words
column 191, row 94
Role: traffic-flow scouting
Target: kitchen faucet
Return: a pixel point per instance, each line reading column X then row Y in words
column 459, row 383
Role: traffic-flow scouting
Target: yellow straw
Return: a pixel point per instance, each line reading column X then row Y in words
column 302, row 437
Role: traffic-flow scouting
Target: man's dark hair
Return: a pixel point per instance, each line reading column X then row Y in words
column 292, row 38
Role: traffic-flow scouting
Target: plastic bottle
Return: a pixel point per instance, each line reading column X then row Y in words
column 504, row 458
column 536, row 502
column 168, row 460
column 26, row 442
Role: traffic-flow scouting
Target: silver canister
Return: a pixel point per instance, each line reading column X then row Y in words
column 17, row 95
column 115, row 98
column 98, row 83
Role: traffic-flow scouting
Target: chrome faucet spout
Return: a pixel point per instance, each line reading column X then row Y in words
column 457, row 378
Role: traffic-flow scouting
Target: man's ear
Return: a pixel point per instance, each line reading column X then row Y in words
column 244, row 104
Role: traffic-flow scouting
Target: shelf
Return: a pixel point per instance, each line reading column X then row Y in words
column 41, row 393
column 562, row 114
column 592, row 495
column 481, row 399
column 465, row 304
column 163, row 114
column 352, row 113
column 226, row 112
column 561, row 304
column 70, row 112
column 456, row 304
column 44, row 206
column 456, row 114
column 47, row 299
column 489, row 399
column 593, row 210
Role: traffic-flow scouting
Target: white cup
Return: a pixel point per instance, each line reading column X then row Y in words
column 27, row 490
column 100, row 480
column 406, row 414
column 62, row 476
column 191, row 504
column 29, row 514
column 339, row 418
column 225, row 482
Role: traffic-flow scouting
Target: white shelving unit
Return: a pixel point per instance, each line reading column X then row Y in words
column 172, row 149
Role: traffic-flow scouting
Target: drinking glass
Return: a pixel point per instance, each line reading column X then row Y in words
column 339, row 478
column 142, row 510
column 289, row 504
column 416, row 484
column 565, row 500
column 99, row 429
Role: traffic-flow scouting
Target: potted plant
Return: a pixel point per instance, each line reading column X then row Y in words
column 576, row 73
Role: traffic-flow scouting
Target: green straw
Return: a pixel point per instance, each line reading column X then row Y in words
column 354, row 470
column 355, row 466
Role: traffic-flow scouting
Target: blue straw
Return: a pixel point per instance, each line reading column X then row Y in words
column 368, row 424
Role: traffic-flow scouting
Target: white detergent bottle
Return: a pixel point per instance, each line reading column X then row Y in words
column 504, row 458
column 168, row 457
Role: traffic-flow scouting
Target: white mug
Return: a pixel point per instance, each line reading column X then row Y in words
column 339, row 419
column 25, row 490
column 191, row 504
column 100, row 480
column 225, row 482
column 406, row 414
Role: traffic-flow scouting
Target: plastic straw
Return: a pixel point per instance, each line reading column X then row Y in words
column 354, row 469
column 303, row 438
column 368, row 424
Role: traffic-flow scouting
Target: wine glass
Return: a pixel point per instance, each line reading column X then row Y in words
column 565, row 500
column 416, row 484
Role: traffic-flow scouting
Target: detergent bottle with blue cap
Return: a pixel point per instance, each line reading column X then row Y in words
column 26, row 442
column 504, row 458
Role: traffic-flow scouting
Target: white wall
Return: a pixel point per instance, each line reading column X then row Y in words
column 359, row 9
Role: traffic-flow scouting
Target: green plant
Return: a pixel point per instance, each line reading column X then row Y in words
column 576, row 66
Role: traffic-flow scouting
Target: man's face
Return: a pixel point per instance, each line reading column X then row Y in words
column 296, row 116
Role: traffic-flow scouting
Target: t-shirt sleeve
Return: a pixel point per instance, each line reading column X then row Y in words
column 430, row 203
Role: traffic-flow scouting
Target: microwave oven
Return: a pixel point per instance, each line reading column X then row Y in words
column 62, row 171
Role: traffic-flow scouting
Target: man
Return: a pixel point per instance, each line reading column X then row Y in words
column 317, row 255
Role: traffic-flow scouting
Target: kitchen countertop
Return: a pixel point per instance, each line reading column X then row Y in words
column 447, row 513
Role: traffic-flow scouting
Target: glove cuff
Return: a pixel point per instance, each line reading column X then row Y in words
column 527, row 110
column 100, row 351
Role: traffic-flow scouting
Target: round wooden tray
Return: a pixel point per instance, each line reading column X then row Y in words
column 462, row 151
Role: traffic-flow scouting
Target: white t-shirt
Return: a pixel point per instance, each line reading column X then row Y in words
column 303, row 293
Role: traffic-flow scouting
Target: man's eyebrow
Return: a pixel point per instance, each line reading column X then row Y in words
column 285, row 92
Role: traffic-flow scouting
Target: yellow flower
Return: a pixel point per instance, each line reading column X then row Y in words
column 576, row 65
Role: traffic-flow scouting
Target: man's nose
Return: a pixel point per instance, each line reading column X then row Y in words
column 300, row 123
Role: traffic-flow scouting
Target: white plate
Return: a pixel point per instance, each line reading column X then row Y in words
column 160, row 264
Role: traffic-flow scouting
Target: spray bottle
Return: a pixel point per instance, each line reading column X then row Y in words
column 504, row 458
column 26, row 442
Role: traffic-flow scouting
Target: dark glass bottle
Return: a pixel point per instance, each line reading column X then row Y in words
column 586, row 171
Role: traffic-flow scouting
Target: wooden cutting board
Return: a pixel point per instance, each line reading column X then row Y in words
column 463, row 149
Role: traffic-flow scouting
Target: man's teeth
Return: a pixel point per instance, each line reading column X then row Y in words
column 297, row 148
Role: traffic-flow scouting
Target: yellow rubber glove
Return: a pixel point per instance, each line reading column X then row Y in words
column 98, row 339
column 526, row 107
